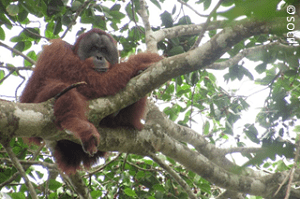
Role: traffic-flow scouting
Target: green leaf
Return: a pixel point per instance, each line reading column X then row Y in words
column 20, row 46
column 49, row 30
column 96, row 194
column 205, row 187
column 140, row 174
column 251, row 133
column 17, row 195
column 32, row 55
column 293, row 61
column 206, row 4
column 130, row 13
column 158, row 187
column 2, row 74
column 76, row 5
column 296, row 129
column 22, row 16
column 183, row 90
column 130, row 192
column 200, row 1
column 12, row 9
column 247, row 73
column 281, row 166
column 228, row 3
column 184, row 20
column 66, row 20
column 166, row 19
column 86, row 18
column 149, row 162
column 174, row 9
column 17, row 38
column 170, row 160
column 116, row 16
column 32, row 33
column 260, row 68
column 206, row 128
column 114, row 26
column 195, row 77
column 54, row 185
column 259, row 9
column 115, row 7
column 57, row 27
column 2, row 34
column 176, row 50
column 291, row 73
column 155, row 2
column 100, row 22
column 5, row 20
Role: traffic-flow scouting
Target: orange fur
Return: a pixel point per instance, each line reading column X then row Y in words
column 57, row 68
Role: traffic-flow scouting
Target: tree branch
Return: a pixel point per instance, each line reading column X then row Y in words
column 151, row 43
column 190, row 7
column 14, row 120
column 77, row 14
column 19, row 167
column 183, row 30
column 15, row 175
column 238, row 57
column 18, row 52
column 201, row 34
column 79, row 186
column 178, row 179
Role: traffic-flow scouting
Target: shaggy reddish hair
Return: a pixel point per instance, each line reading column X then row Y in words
column 57, row 68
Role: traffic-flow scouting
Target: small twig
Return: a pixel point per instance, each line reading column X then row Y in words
column 69, row 88
column 151, row 43
column 32, row 33
column 239, row 56
column 4, row 78
column 19, row 167
column 179, row 180
column 288, row 191
column 133, row 16
column 241, row 150
column 142, row 169
column 15, row 175
column 18, row 52
column 281, row 184
column 124, row 162
column 192, row 104
column 16, row 92
column 190, row 7
column 78, row 12
column 79, row 186
column 15, row 68
column 201, row 34
column 290, row 176
column 28, row 163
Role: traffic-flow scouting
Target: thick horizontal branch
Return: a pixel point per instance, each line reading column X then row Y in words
column 200, row 57
column 168, row 68
column 155, row 138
